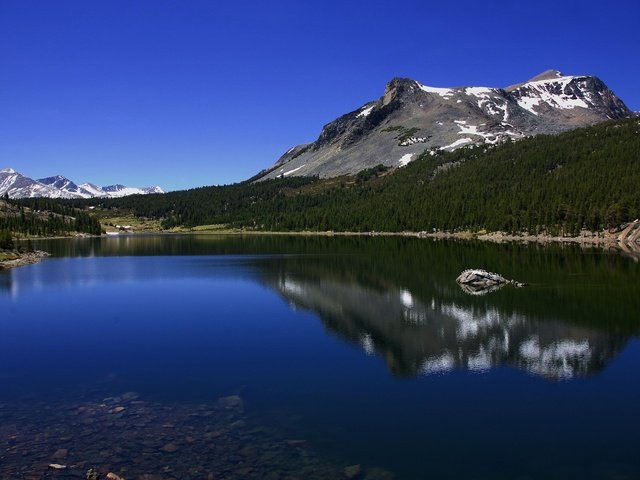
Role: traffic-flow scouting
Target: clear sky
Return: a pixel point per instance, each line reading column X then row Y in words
column 185, row 93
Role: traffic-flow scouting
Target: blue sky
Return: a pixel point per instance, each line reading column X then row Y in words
column 185, row 93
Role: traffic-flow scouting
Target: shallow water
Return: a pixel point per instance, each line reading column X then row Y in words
column 365, row 348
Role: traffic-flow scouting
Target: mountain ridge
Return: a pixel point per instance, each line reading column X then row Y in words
column 17, row 185
column 411, row 118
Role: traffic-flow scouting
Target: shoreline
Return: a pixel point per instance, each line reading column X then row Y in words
column 626, row 239
column 23, row 259
column 587, row 239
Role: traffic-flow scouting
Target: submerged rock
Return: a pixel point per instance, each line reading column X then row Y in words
column 60, row 454
column 231, row 402
column 201, row 443
column 130, row 396
column 169, row 448
column 352, row 471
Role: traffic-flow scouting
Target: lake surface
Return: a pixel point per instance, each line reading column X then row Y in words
column 295, row 357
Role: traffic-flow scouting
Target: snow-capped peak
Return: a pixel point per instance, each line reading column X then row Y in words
column 552, row 90
column 58, row 186
column 547, row 75
column 411, row 118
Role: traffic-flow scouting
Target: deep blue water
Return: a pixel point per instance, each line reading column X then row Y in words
column 366, row 348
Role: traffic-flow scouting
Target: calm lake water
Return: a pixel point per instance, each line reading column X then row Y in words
column 294, row 357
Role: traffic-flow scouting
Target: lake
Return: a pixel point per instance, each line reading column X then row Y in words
column 282, row 357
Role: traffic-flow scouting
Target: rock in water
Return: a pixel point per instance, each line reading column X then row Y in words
column 480, row 278
column 475, row 281
column 92, row 474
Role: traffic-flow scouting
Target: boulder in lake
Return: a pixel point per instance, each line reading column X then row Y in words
column 476, row 281
column 480, row 278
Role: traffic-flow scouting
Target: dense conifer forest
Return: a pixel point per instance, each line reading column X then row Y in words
column 42, row 217
column 584, row 179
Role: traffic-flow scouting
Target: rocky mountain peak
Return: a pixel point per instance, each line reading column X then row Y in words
column 546, row 75
column 397, row 87
column 550, row 74
column 17, row 185
column 411, row 118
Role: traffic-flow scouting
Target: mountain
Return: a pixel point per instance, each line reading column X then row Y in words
column 89, row 190
column 20, row 186
column 66, row 185
column 411, row 118
column 122, row 191
column 586, row 178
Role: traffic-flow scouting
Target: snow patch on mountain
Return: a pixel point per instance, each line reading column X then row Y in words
column 93, row 190
column 458, row 143
column 480, row 92
column 445, row 93
column 405, row 159
column 286, row 174
column 565, row 92
column 366, row 111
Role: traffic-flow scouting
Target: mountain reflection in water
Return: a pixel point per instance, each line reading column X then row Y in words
column 434, row 335
column 397, row 298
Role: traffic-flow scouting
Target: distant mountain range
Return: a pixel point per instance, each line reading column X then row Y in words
column 19, row 186
column 411, row 118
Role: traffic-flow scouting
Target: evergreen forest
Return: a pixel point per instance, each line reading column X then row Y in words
column 42, row 217
column 583, row 179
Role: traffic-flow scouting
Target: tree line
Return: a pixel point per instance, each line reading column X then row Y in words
column 44, row 217
column 583, row 179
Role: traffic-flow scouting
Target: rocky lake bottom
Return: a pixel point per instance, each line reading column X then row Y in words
column 151, row 441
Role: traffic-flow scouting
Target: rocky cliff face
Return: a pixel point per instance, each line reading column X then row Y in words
column 411, row 118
